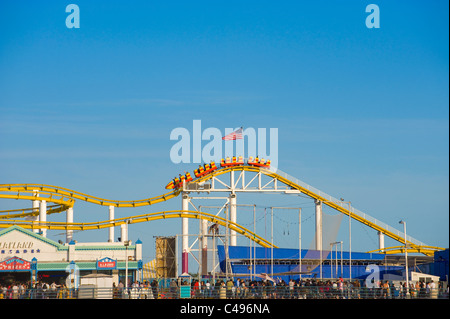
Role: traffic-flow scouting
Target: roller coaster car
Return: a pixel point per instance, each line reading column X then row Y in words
column 258, row 162
column 210, row 167
column 178, row 182
column 202, row 171
column 188, row 177
column 199, row 171
column 184, row 178
column 234, row 162
column 172, row 183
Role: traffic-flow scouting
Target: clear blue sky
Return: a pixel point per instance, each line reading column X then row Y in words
column 361, row 113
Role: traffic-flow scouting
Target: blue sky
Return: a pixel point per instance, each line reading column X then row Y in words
column 361, row 113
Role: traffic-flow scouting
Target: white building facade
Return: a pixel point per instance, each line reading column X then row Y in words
column 26, row 256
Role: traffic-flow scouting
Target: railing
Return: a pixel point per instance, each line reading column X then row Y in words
column 253, row 292
column 353, row 210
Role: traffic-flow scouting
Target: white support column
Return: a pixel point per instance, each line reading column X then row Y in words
column 204, row 253
column 318, row 225
column 35, row 206
column 232, row 181
column 138, row 250
column 124, row 232
column 71, row 252
column 111, row 229
column 43, row 216
column 380, row 240
column 185, row 234
column 69, row 219
column 233, row 237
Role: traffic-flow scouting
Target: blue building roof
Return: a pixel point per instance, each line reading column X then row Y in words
column 246, row 252
column 286, row 265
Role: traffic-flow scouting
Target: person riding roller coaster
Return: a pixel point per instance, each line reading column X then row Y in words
column 232, row 162
column 199, row 172
column 208, row 168
column 258, row 162
column 178, row 182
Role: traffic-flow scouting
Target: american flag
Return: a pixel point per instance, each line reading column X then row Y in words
column 236, row 135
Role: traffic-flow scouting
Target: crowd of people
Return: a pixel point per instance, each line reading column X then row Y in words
column 137, row 290
column 239, row 289
column 35, row 290
column 313, row 289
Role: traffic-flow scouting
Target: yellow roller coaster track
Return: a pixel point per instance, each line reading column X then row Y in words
column 25, row 212
column 65, row 198
column 412, row 247
column 139, row 219
column 401, row 249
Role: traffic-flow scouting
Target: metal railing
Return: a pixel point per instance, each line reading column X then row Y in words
column 224, row 292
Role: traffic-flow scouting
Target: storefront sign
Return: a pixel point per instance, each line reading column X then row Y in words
column 106, row 263
column 17, row 251
column 14, row 264
column 17, row 247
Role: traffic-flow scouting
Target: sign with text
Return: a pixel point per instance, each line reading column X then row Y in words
column 15, row 264
column 106, row 263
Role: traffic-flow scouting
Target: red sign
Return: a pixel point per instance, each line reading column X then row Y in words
column 106, row 263
column 15, row 263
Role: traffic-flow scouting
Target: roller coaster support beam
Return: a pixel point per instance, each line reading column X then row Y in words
column 43, row 216
column 185, row 234
column 111, row 229
column 381, row 241
column 318, row 225
column 233, row 207
column 124, row 232
column 204, row 243
column 35, row 206
column 69, row 220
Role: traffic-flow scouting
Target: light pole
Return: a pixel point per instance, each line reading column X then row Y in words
column 271, row 246
column 336, row 257
column 331, row 259
column 126, row 243
column 349, row 237
column 406, row 257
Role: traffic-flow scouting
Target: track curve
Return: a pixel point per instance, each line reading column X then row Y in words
column 413, row 244
column 139, row 219
column 64, row 198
